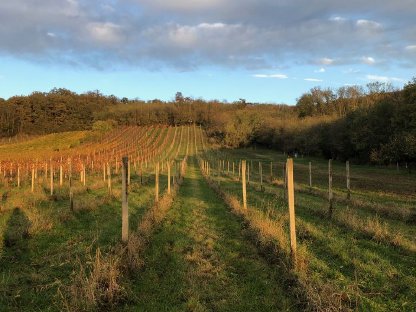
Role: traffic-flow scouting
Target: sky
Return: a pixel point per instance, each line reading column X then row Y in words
column 260, row 50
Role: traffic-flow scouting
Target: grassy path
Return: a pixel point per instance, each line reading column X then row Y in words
column 200, row 260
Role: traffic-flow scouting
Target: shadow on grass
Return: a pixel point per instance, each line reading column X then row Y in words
column 17, row 230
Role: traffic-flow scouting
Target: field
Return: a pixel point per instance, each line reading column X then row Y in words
column 193, row 247
column 363, row 256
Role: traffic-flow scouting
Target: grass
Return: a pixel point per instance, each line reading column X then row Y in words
column 197, row 250
column 48, row 253
column 43, row 144
column 367, row 259
column 201, row 260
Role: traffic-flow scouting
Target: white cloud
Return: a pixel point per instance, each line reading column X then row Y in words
column 277, row 76
column 411, row 48
column 337, row 19
column 71, row 8
column 313, row 79
column 326, row 61
column 191, row 34
column 320, row 70
column 212, row 25
column 384, row 78
column 368, row 25
column 368, row 60
column 105, row 32
column 183, row 5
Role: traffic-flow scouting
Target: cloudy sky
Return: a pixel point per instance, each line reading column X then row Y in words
column 260, row 50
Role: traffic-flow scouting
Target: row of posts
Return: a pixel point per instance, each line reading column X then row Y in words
column 289, row 187
column 231, row 169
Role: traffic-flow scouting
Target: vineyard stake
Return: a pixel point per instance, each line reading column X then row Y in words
column 51, row 179
column 347, row 164
column 330, row 194
column 243, row 174
column 124, row 202
column 168, row 165
column 109, row 178
column 18, row 176
column 61, row 181
column 33, row 178
column 157, row 183
column 84, row 174
column 291, row 203
column 261, row 176
column 71, row 194
column 310, row 175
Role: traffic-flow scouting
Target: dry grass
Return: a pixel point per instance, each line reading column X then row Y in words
column 99, row 283
column 375, row 228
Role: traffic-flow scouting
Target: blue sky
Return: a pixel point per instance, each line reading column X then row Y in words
column 263, row 51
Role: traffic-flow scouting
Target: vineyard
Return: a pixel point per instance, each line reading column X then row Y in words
column 354, row 252
column 65, row 196
column 208, row 229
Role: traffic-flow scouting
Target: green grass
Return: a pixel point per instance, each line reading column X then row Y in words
column 202, row 257
column 44, row 144
column 377, row 274
column 36, row 269
column 201, row 260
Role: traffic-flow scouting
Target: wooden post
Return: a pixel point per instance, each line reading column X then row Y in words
column 33, row 178
column 109, row 178
column 243, row 175
column 51, row 179
column 71, row 194
column 233, row 169
column 330, row 194
column 261, row 176
column 141, row 173
column 310, row 175
column 291, row 203
column 168, row 165
column 124, row 202
column 61, row 176
column 157, row 183
column 104, row 172
column 18, row 176
column 84, row 174
column 347, row 164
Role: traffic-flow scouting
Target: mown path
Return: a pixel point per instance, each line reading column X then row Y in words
column 200, row 260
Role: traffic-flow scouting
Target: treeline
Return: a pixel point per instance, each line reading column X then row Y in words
column 373, row 124
column 377, row 126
